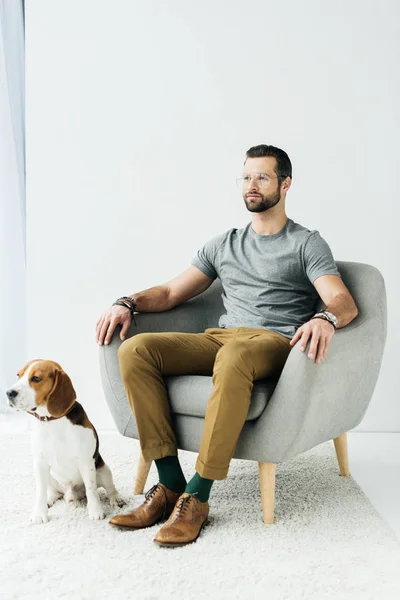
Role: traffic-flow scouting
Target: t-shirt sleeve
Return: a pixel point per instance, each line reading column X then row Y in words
column 206, row 257
column 318, row 258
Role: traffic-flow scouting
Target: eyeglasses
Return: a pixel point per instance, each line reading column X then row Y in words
column 261, row 179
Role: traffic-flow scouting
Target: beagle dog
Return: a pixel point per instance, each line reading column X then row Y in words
column 65, row 444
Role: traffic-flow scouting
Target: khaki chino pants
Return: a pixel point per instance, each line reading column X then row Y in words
column 235, row 357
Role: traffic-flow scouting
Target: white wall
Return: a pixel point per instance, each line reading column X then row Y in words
column 138, row 118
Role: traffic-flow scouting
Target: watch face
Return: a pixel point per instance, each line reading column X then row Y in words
column 330, row 315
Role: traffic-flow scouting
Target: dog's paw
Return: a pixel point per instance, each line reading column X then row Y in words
column 117, row 501
column 96, row 514
column 39, row 517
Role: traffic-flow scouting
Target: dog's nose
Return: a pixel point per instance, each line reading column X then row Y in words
column 11, row 394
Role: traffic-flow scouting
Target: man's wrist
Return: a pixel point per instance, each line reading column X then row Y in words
column 129, row 303
column 326, row 318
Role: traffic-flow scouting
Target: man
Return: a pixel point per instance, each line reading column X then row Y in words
column 272, row 272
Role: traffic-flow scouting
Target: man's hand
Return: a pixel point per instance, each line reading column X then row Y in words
column 321, row 332
column 115, row 315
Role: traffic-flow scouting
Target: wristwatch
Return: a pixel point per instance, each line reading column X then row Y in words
column 328, row 316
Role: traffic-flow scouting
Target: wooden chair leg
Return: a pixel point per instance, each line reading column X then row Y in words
column 141, row 475
column 342, row 454
column 267, row 486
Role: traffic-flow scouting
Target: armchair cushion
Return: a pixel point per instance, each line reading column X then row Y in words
column 187, row 394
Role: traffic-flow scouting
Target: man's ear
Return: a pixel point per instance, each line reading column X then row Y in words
column 62, row 395
column 286, row 184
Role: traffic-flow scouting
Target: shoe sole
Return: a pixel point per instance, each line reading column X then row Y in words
column 179, row 544
column 130, row 528
column 133, row 527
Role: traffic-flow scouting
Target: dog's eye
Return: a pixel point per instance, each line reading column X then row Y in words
column 35, row 379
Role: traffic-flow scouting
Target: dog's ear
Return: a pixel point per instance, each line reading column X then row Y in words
column 62, row 395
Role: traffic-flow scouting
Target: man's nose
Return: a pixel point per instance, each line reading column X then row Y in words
column 11, row 394
column 253, row 184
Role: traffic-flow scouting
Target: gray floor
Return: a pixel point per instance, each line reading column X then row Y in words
column 374, row 462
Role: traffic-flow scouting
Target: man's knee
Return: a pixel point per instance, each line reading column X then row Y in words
column 134, row 344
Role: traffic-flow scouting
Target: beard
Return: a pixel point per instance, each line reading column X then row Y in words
column 263, row 202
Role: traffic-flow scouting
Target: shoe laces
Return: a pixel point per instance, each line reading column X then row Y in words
column 152, row 491
column 150, row 494
column 184, row 503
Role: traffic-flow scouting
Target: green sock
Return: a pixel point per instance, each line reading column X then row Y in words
column 170, row 473
column 200, row 486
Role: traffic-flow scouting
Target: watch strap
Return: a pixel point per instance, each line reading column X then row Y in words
column 325, row 318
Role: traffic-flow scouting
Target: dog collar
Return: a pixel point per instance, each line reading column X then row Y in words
column 46, row 418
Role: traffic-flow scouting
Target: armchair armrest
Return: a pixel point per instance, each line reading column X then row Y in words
column 313, row 403
column 193, row 316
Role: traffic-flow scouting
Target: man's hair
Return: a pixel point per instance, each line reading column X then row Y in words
column 283, row 164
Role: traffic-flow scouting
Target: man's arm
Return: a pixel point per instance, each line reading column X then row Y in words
column 336, row 298
column 338, row 301
column 188, row 284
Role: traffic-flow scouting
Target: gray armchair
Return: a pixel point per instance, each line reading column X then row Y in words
column 309, row 403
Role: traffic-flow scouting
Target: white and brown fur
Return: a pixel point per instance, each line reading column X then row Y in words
column 66, row 454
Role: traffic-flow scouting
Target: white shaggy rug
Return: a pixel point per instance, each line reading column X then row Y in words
column 327, row 541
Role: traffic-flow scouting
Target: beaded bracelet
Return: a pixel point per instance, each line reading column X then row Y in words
column 130, row 300
column 130, row 307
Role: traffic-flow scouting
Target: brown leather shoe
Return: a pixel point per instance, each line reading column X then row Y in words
column 158, row 505
column 185, row 523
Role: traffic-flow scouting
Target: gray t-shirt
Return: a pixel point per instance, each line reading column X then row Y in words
column 267, row 279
